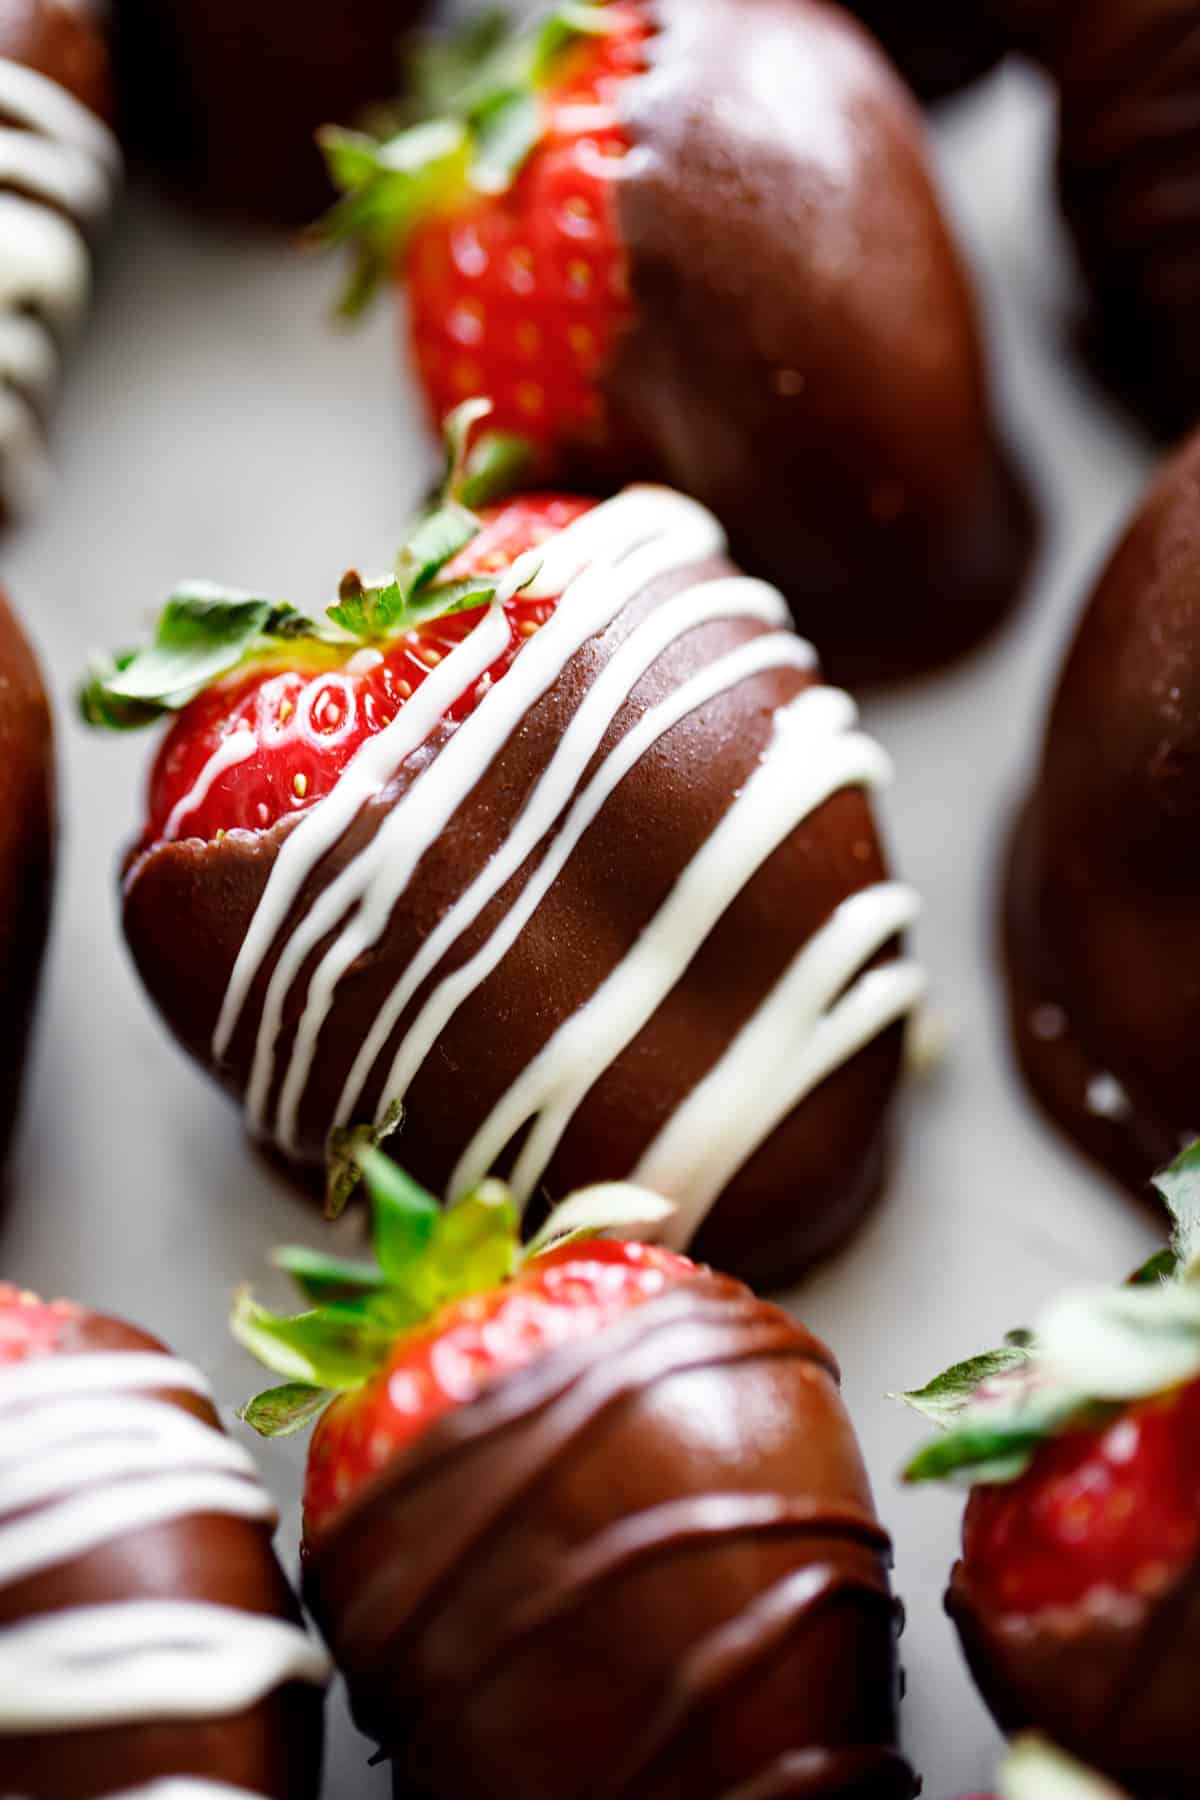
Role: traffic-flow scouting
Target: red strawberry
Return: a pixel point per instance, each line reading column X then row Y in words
column 307, row 706
column 453, row 1306
column 29, row 1326
column 522, row 292
column 1114, row 1507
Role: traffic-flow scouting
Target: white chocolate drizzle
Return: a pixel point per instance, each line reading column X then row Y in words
column 825, row 1008
column 90, row 1452
column 59, row 169
column 232, row 750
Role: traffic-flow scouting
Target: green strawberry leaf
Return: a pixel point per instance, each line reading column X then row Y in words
column 322, row 1278
column 506, row 131
column 342, row 1156
column 474, row 1246
column 949, row 1395
column 403, row 1214
column 617, row 1206
column 1035, row 1770
column 1178, row 1187
column 1123, row 1343
column 203, row 632
column 499, row 463
column 1162, row 1266
column 280, row 1411
column 327, row 1347
column 996, row 1443
column 437, row 539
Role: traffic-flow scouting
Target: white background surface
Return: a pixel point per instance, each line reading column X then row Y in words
column 215, row 425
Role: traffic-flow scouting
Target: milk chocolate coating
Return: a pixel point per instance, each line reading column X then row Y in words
column 1128, row 73
column 1112, row 1682
column 804, row 1189
column 63, row 42
column 223, row 97
column 648, row 1565
column 26, row 852
column 805, row 358
column 938, row 45
column 273, row 1750
column 1102, row 918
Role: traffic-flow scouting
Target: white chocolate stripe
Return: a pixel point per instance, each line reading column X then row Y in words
column 99, row 1372
column 140, row 1661
column 231, row 751
column 185, row 1787
column 42, row 105
column 732, row 597
column 60, row 1449
column 783, row 1053
column 74, row 1527
column 28, row 357
column 776, row 650
column 44, row 262
column 61, row 174
column 812, row 754
column 368, row 770
column 648, row 541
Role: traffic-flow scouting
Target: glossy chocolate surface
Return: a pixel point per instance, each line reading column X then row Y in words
column 938, row 45
column 1112, row 1681
column 805, row 1188
column 806, row 357
column 1102, row 919
column 1128, row 73
column 223, row 98
column 273, row 1750
column 26, row 852
column 646, row 1565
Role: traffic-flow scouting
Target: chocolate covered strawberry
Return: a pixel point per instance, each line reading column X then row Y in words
column 1078, row 1592
column 696, row 241
column 552, row 842
column 580, row 1491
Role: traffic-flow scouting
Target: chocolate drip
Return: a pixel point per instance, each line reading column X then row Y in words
column 803, row 1189
column 806, row 357
column 646, row 1566
column 1101, row 937
column 216, row 1558
column 26, row 853
column 1128, row 73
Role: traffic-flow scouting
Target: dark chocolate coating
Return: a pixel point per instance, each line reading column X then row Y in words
column 273, row 1750
column 1113, row 1682
column 223, row 97
column 938, row 45
column 26, row 852
column 1103, row 896
column 62, row 42
column 805, row 1188
column 1128, row 73
column 647, row 1565
column 805, row 357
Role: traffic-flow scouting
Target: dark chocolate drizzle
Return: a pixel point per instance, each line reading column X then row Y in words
column 572, row 1518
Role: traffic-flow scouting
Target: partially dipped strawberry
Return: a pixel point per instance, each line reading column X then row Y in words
column 697, row 241
column 588, row 1492
column 1075, row 1595
column 453, row 1306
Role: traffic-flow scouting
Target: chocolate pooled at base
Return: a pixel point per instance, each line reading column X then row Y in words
column 647, row 1564
column 1102, row 898
column 27, row 829
column 157, row 1551
column 805, row 356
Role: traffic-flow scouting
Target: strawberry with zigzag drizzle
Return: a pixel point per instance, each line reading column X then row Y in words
column 631, row 893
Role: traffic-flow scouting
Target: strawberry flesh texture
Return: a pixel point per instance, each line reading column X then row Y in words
column 308, row 714
column 565, row 1296
column 524, row 295
column 1115, row 1509
column 30, row 1327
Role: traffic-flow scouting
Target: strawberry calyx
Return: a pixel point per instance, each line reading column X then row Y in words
column 204, row 632
column 480, row 113
column 426, row 1257
column 1093, row 1353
